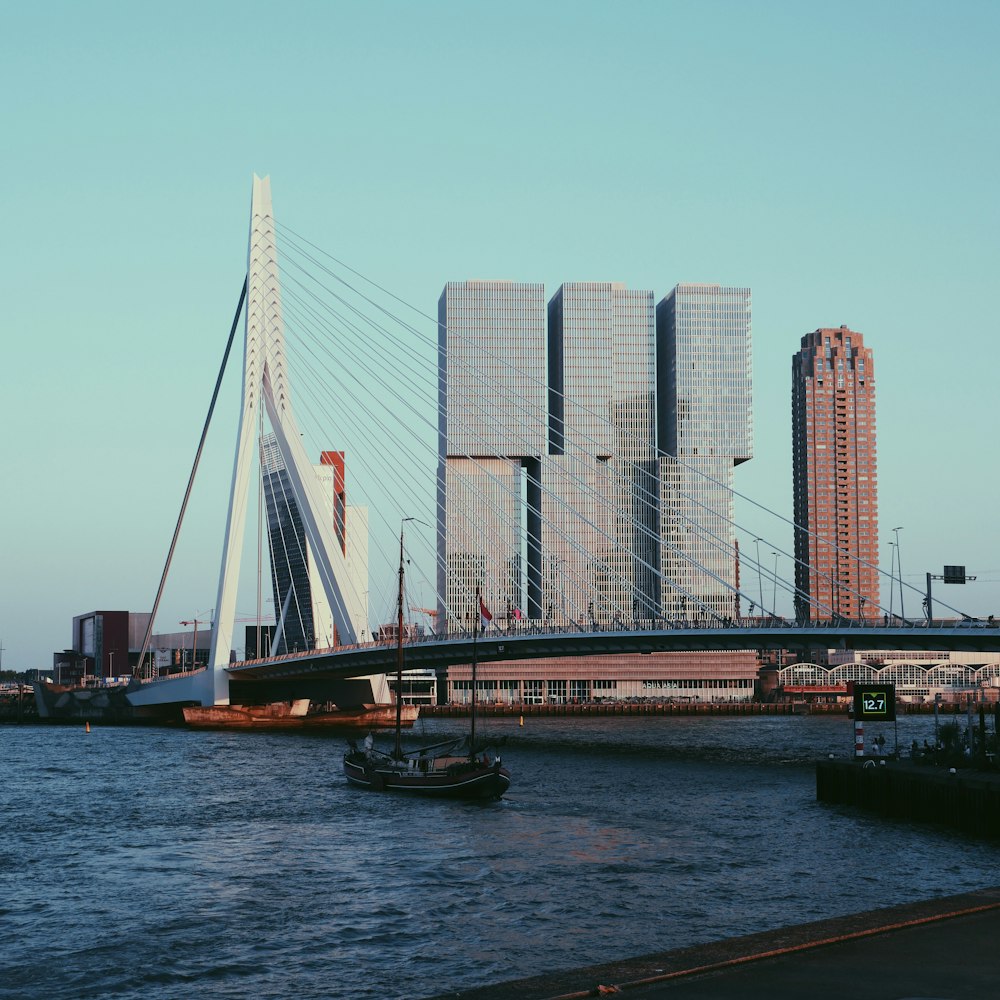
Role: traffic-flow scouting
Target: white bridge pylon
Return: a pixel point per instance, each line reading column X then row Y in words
column 265, row 381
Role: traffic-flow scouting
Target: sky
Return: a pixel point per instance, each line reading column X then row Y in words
column 841, row 160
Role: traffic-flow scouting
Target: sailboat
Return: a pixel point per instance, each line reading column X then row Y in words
column 457, row 769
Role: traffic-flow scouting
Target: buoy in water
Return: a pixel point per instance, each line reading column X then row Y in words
column 520, row 721
column 87, row 730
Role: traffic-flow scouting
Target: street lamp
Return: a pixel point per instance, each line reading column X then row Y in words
column 774, row 587
column 892, row 579
column 899, row 569
column 760, row 578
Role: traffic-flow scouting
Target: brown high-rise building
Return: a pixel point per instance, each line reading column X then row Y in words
column 834, row 473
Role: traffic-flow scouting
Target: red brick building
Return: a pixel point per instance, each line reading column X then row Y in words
column 834, row 473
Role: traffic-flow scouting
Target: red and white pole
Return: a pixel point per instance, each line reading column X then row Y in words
column 859, row 738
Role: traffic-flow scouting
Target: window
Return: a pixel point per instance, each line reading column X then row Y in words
column 532, row 692
column 557, row 692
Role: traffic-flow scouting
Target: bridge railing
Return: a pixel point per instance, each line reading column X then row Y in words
column 743, row 623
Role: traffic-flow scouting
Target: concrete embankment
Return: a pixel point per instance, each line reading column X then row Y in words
column 963, row 799
column 936, row 948
column 616, row 708
column 493, row 710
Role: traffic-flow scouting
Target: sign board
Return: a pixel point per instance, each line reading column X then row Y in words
column 874, row 702
column 954, row 574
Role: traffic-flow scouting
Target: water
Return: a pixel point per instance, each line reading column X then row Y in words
column 165, row 864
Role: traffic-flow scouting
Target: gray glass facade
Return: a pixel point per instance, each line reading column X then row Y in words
column 577, row 462
column 704, row 424
column 600, row 518
column 288, row 551
column 491, row 437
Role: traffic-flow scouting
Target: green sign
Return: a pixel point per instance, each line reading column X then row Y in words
column 874, row 702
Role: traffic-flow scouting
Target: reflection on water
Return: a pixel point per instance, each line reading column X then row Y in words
column 161, row 863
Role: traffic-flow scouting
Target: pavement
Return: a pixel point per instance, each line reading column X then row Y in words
column 940, row 949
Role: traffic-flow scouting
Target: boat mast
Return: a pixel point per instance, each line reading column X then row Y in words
column 476, row 622
column 398, row 751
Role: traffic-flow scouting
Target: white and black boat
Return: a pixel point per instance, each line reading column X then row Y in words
column 458, row 769
column 446, row 770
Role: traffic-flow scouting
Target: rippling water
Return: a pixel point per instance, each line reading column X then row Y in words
column 158, row 864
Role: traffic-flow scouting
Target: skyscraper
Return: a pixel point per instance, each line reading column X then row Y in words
column 287, row 548
column 492, row 421
column 705, row 431
column 834, row 475
column 553, row 439
column 602, row 456
column 607, row 498
column 300, row 602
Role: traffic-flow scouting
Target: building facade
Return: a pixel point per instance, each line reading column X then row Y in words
column 490, row 447
column 704, row 421
column 835, row 476
column 586, row 456
column 723, row 676
column 305, row 619
column 598, row 566
column 107, row 645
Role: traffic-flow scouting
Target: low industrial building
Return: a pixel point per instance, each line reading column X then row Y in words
column 724, row 676
column 107, row 645
column 919, row 676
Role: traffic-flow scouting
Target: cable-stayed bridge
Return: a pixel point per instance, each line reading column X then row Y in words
column 552, row 463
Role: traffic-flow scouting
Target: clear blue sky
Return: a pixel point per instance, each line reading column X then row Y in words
column 841, row 160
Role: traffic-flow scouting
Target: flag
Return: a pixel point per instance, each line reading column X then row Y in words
column 484, row 614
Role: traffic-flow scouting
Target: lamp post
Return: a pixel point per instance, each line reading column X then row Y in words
column 774, row 584
column 760, row 578
column 194, row 641
column 899, row 569
column 892, row 579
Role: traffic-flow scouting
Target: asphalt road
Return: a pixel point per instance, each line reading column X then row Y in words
column 941, row 949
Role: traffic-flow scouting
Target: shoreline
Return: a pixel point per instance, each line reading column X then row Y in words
column 770, row 963
column 670, row 708
column 30, row 717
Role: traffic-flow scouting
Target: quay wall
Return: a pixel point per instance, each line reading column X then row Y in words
column 967, row 800
column 491, row 710
column 498, row 710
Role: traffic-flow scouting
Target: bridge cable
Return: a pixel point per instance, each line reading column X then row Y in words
column 137, row 672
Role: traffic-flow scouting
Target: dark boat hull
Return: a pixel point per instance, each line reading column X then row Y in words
column 472, row 781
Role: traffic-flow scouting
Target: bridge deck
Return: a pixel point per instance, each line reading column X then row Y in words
column 521, row 644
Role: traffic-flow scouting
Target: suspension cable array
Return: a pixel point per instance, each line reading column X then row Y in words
column 367, row 367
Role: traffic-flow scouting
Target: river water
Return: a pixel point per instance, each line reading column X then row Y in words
column 145, row 863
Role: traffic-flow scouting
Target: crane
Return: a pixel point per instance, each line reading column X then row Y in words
column 431, row 613
column 194, row 640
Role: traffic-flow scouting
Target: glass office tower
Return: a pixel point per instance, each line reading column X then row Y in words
column 559, row 503
column 835, row 476
column 704, row 428
column 296, row 586
column 287, row 545
column 600, row 517
column 492, row 426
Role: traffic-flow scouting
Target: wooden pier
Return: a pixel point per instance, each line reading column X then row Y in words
column 965, row 799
